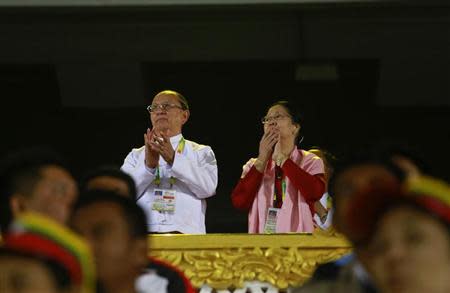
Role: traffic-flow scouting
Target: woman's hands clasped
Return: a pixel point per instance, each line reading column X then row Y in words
column 266, row 147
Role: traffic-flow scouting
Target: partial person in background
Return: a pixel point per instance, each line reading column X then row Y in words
column 407, row 231
column 173, row 175
column 323, row 208
column 65, row 255
column 158, row 276
column 279, row 187
column 116, row 229
column 35, row 179
column 24, row 273
column 363, row 168
column 109, row 178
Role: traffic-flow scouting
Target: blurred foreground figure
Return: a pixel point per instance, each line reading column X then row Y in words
column 407, row 230
column 158, row 275
column 36, row 180
column 355, row 173
column 23, row 273
column 40, row 255
column 116, row 228
column 109, row 178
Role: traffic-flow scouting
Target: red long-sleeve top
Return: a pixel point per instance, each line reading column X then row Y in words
column 312, row 187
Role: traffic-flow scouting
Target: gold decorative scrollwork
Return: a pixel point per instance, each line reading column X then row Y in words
column 282, row 260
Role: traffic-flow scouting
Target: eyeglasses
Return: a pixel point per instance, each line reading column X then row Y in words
column 163, row 107
column 269, row 119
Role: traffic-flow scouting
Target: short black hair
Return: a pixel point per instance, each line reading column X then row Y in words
column 109, row 171
column 133, row 214
column 20, row 171
column 60, row 274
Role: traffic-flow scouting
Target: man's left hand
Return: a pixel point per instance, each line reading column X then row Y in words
column 161, row 144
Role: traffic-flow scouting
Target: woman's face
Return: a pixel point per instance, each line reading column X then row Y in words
column 279, row 120
column 411, row 253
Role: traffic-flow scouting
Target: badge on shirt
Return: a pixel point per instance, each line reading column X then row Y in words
column 271, row 222
column 164, row 200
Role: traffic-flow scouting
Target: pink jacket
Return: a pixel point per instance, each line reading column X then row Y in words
column 295, row 214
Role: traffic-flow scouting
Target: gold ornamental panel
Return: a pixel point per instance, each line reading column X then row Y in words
column 225, row 261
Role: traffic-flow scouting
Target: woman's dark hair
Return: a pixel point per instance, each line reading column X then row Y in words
column 292, row 109
column 294, row 113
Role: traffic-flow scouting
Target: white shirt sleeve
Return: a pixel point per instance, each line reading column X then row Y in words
column 200, row 174
column 134, row 165
column 328, row 221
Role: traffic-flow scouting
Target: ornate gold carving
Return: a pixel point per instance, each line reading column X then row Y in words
column 227, row 261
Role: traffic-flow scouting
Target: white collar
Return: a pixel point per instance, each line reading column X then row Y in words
column 174, row 140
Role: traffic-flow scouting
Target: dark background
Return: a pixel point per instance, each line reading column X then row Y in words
column 78, row 78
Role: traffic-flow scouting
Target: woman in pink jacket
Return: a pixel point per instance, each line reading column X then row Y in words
column 280, row 186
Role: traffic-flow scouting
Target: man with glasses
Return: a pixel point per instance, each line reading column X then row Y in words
column 173, row 175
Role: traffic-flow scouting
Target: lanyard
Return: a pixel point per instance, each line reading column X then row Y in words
column 172, row 180
column 283, row 189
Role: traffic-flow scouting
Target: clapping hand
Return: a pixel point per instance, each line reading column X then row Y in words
column 160, row 144
column 151, row 155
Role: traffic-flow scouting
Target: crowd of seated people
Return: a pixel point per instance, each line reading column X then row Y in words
column 58, row 238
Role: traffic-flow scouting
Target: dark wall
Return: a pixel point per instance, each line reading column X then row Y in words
column 79, row 80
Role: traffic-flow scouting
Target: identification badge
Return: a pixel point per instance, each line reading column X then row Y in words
column 271, row 222
column 164, row 200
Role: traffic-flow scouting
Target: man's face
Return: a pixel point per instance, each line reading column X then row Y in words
column 104, row 227
column 171, row 119
column 23, row 275
column 53, row 195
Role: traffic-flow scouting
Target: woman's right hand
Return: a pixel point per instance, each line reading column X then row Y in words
column 266, row 146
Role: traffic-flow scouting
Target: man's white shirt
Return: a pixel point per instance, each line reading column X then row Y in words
column 195, row 178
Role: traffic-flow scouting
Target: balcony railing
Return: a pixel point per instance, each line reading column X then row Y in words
column 228, row 261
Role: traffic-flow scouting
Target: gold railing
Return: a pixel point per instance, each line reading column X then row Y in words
column 228, row 260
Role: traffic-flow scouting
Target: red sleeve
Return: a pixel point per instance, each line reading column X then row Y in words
column 311, row 186
column 245, row 191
